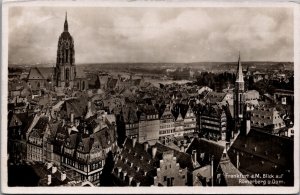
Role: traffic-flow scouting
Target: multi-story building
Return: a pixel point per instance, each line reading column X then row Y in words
column 166, row 125
column 131, row 122
column 148, row 124
column 213, row 123
column 267, row 118
column 36, row 140
column 189, row 121
column 85, row 153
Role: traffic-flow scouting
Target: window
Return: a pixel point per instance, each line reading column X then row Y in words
column 165, row 178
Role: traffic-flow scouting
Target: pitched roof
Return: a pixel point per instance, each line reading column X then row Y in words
column 40, row 73
column 264, row 153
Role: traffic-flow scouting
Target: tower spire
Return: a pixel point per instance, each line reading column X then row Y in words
column 66, row 23
column 239, row 73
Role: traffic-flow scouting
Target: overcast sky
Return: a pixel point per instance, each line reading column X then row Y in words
column 152, row 34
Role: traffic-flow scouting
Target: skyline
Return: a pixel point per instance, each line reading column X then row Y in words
column 153, row 35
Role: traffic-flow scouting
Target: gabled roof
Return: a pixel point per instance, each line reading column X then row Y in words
column 40, row 73
column 264, row 153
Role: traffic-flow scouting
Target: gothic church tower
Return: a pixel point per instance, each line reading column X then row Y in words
column 239, row 98
column 65, row 71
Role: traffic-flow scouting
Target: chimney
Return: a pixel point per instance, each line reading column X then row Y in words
column 145, row 173
column 278, row 156
column 182, row 148
column 131, row 164
column 212, row 170
column 255, row 148
column 184, row 141
column 54, row 169
column 119, row 171
column 146, row 146
column 194, row 153
column 237, row 160
column 130, row 180
column 72, row 117
column 133, row 142
column 124, row 175
column 49, row 179
column 154, row 150
column 137, row 169
column 63, row 176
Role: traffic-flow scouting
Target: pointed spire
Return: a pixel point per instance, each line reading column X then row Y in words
column 66, row 23
column 239, row 73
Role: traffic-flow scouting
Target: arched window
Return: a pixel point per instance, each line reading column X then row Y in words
column 67, row 74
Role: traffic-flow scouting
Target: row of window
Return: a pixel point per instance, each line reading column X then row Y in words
column 210, row 127
column 167, row 131
column 167, row 126
column 210, row 122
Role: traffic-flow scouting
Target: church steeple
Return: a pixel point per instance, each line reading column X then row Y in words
column 239, row 99
column 66, row 28
column 239, row 73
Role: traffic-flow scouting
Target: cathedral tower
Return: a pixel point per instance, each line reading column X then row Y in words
column 65, row 71
column 239, row 99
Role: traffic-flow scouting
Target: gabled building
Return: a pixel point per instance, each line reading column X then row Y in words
column 166, row 125
column 143, row 165
column 36, row 140
column 262, row 153
column 148, row 124
column 213, row 123
column 189, row 122
column 268, row 119
column 85, row 153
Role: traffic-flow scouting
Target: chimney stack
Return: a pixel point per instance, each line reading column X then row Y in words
column 49, row 179
column 119, row 171
column 154, row 150
column 124, row 175
column 146, row 146
column 54, row 169
column 194, row 153
column 133, row 142
column 182, row 148
column 72, row 117
column 212, row 170
column 63, row 176
column 130, row 180
column 237, row 160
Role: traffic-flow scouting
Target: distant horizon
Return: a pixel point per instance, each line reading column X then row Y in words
column 148, row 34
column 93, row 63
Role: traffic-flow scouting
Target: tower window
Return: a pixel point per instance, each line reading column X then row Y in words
column 67, row 74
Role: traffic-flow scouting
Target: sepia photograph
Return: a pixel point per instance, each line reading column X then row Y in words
column 141, row 95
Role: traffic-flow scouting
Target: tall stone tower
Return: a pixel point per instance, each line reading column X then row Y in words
column 239, row 98
column 65, row 71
